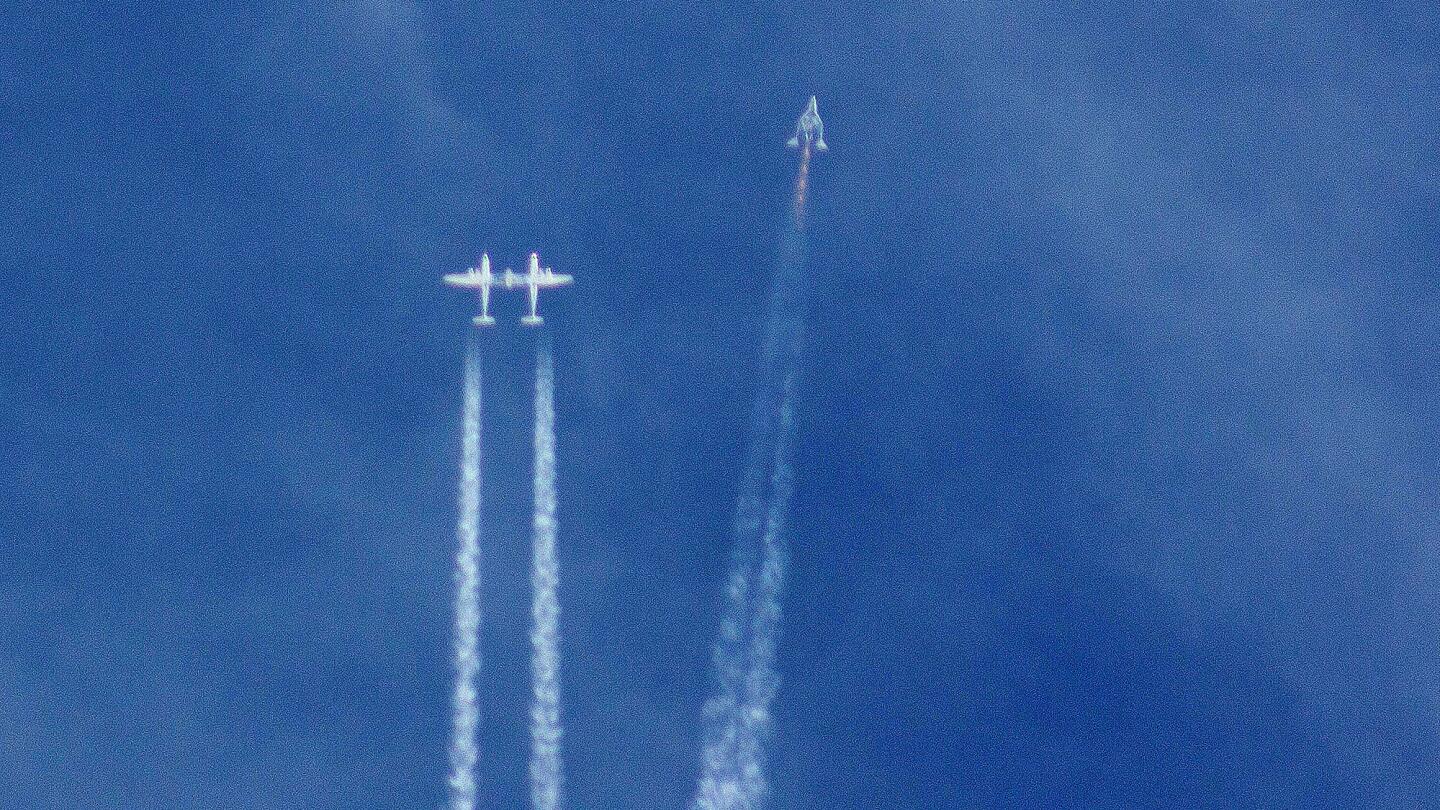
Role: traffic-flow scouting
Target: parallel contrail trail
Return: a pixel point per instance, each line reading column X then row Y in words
column 464, row 745
column 738, row 715
column 545, row 730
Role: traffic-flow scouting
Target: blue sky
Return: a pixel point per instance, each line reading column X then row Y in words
column 1116, row 463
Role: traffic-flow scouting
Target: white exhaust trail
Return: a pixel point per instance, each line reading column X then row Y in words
column 737, row 716
column 762, row 681
column 464, row 743
column 719, row 785
column 545, row 730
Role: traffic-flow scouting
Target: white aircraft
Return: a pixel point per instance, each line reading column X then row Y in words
column 477, row 279
column 809, row 128
column 537, row 279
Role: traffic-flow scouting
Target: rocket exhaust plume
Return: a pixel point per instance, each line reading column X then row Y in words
column 802, row 183
column 545, row 730
column 464, row 745
column 762, row 680
column 720, row 780
column 737, row 716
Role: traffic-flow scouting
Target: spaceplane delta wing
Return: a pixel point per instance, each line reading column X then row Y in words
column 809, row 130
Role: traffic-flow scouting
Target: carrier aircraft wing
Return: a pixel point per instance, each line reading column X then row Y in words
column 479, row 279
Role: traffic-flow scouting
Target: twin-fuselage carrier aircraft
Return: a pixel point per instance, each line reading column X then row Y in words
column 481, row 278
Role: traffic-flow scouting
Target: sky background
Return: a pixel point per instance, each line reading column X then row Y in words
column 1117, row 454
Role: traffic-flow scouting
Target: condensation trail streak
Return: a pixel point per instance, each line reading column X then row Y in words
column 762, row 680
column 464, row 742
column 802, row 183
column 545, row 730
column 737, row 717
column 720, row 778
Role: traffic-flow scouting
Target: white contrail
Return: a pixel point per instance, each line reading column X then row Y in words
column 545, row 730
column 762, row 680
column 722, row 780
column 737, row 716
column 719, row 780
column 464, row 745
